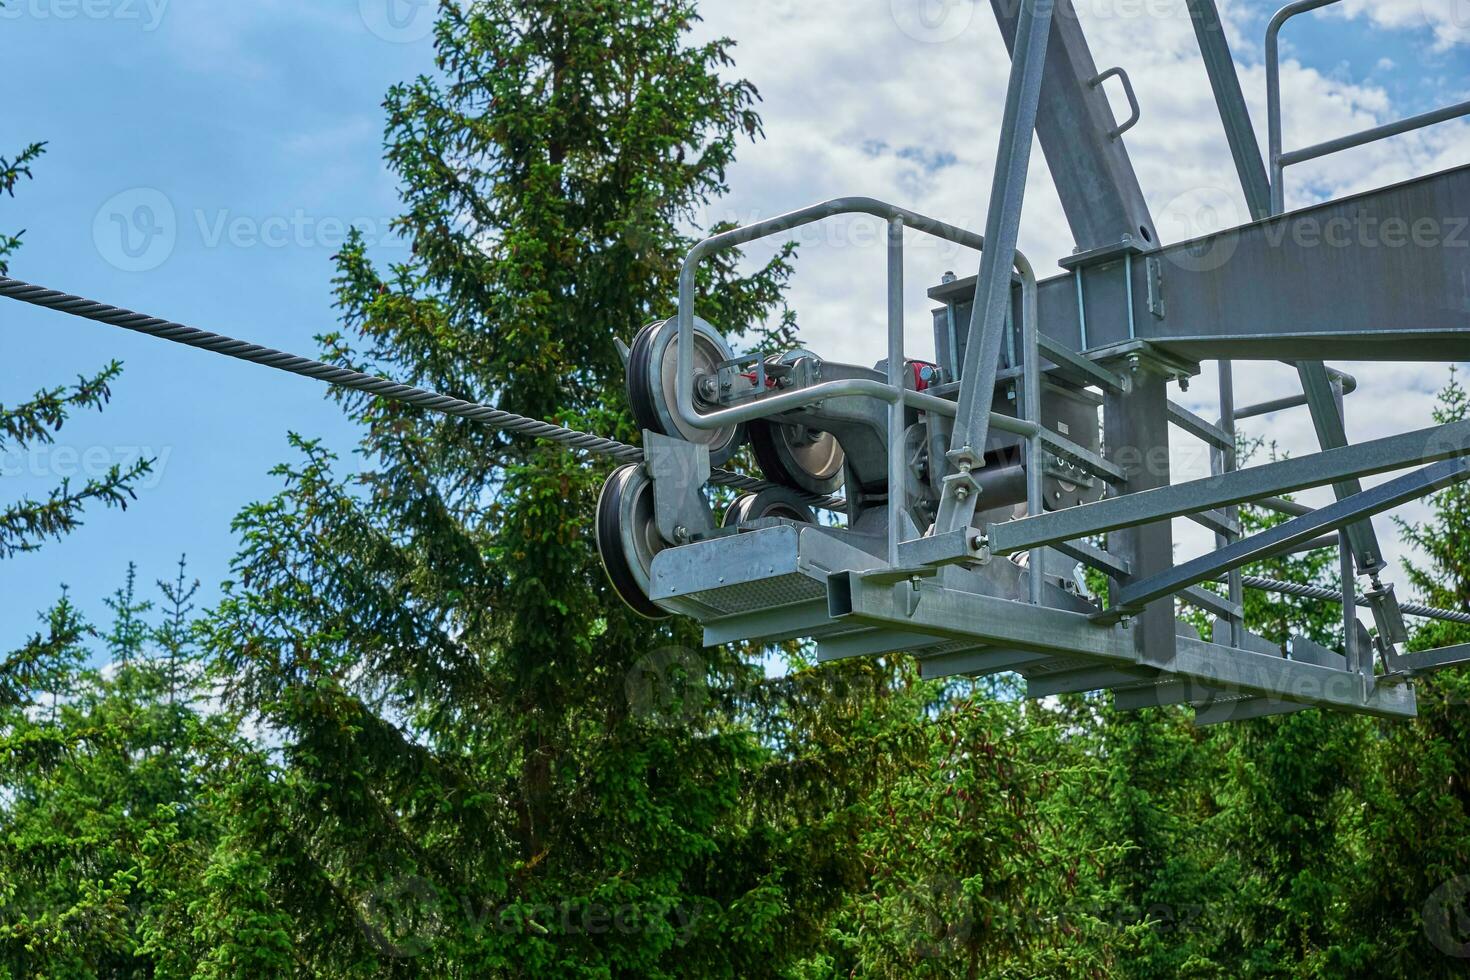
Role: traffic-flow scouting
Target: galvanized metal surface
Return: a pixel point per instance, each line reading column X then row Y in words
column 1014, row 625
column 1284, row 476
column 937, row 460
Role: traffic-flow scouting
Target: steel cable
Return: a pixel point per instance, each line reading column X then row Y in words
column 179, row 333
column 1332, row 595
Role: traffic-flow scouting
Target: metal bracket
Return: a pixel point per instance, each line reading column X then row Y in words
column 1155, row 286
column 966, row 545
column 961, row 489
column 679, row 470
column 1387, row 614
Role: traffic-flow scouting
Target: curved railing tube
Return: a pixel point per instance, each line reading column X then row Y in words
column 1280, row 159
column 791, row 400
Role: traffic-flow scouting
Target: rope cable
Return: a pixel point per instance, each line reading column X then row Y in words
column 179, row 333
column 1332, row 595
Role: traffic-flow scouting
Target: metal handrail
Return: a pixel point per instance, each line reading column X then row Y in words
column 1347, row 381
column 894, row 392
column 788, row 401
column 1135, row 111
column 1281, row 160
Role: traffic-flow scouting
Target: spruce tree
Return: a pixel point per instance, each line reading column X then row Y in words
column 34, row 422
column 106, row 822
column 468, row 779
column 1413, row 883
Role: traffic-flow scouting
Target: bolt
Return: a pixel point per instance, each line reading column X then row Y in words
column 1134, row 363
column 708, row 387
column 961, row 492
column 1184, row 382
column 681, row 533
column 979, row 542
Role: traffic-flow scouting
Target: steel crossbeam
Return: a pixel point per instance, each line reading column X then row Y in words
column 926, row 607
column 1343, row 513
column 1242, row 486
column 1377, row 276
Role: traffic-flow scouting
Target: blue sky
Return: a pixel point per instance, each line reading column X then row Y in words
column 204, row 160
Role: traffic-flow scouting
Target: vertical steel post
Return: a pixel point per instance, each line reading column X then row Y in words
column 1081, row 310
column 897, row 463
column 1350, row 647
column 1136, row 435
column 1227, row 465
column 1002, row 229
column 1035, row 501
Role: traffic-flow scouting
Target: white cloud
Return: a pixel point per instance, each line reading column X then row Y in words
column 1448, row 20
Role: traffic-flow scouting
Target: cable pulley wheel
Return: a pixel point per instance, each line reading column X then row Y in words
column 795, row 456
column 770, row 502
column 653, row 380
column 627, row 537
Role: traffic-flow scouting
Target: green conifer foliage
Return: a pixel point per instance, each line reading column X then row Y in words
column 27, row 522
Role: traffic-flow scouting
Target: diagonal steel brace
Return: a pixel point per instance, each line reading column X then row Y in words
column 993, row 286
column 1135, row 595
column 1322, row 401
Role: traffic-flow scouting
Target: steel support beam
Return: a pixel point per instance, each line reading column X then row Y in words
column 1061, row 633
column 771, row 625
column 1079, row 368
column 1270, row 677
column 1136, row 434
column 1249, row 164
column 1218, row 521
column 1093, row 174
column 1243, row 709
column 1427, row 660
column 1202, row 598
column 1136, row 595
column 1094, row 557
column 1206, row 432
column 1086, row 679
column 873, row 642
column 1324, row 401
column 1332, row 434
column 980, row 662
column 1379, row 276
column 1284, row 476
